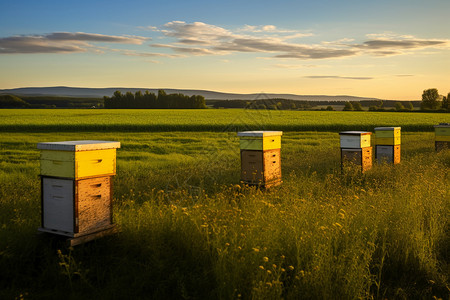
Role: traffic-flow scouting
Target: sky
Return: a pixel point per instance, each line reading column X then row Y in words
column 390, row 49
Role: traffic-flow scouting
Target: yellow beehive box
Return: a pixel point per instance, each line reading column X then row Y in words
column 442, row 132
column 388, row 141
column 78, row 159
column 382, row 132
column 260, row 140
column 354, row 139
column 389, row 136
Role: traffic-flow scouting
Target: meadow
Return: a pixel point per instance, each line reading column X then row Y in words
column 190, row 230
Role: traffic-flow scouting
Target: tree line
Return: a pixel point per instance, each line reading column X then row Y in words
column 12, row 101
column 150, row 100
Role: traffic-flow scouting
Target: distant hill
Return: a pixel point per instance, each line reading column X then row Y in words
column 62, row 91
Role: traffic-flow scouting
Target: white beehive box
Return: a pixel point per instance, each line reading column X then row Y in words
column 354, row 139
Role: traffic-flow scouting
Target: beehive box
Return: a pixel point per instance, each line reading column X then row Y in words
column 442, row 132
column 260, row 167
column 260, row 140
column 76, row 207
column 78, row 159
column 361, row 157
column 388, row 135
column 354, row 139
column 387, row 154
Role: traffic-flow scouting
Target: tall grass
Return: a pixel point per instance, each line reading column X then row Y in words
column 190, row 230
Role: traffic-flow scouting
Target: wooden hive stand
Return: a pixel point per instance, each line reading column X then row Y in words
column 442, row 137
column 76, row 189
column 388, row 143
column 356, row 150
column 260, row 158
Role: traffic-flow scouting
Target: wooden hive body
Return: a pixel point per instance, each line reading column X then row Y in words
column 76, row 207
column 388, row 154
column 260, row 167
column 361, row 157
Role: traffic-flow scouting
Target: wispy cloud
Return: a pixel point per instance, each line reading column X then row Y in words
column 338, row 77
column 61, row 42
column 387, row 44
column 206, row 39
column 290, row 66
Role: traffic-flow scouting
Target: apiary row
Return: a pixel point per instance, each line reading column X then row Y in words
column 76, row 176
column 76, row 188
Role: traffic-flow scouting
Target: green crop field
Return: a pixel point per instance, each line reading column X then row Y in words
column 190, row 230
column 209, row 120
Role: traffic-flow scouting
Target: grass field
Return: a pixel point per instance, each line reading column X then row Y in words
column 189, row 230
column 208, row 120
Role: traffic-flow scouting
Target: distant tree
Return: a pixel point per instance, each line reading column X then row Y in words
column 399, row 106
column 329, row 107
column 348, row 106
column 445, row 102
column 373, row 108
column 409, row 105
column 357, row 106
column 293, row 106
column 117, row 94
column 430, row 99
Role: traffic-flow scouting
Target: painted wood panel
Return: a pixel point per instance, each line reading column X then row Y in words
column 387, row 133
column 354, row 141
column 260, row 143
column 79, row 164
column 388, row 140
column 58, row 204
column 442, row 131
column 387, row 154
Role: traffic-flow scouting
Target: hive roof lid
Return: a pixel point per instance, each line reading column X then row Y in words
column 387, row 128
column 355, row 132
column 443, row 125
column 79, row 145
column 260, row 133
